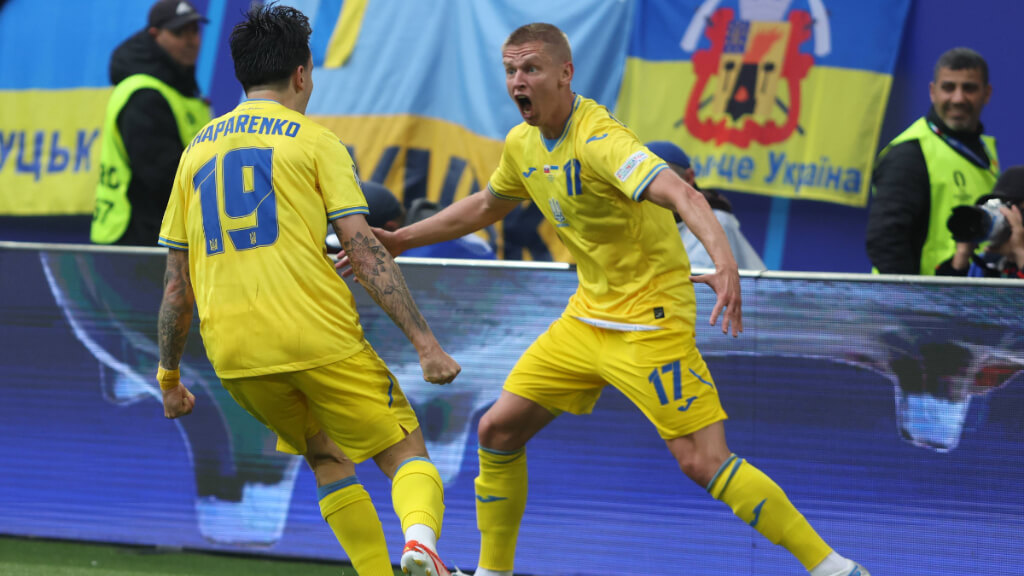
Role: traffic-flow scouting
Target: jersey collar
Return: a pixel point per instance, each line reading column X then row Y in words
column 550, row 145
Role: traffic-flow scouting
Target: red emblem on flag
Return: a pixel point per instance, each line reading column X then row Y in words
column 743, row 77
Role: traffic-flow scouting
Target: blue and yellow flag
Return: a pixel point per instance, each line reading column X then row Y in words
column 416, row 90
column 54, row 88
column 778, row 97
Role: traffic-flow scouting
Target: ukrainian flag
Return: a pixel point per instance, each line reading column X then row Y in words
column 54, row 89
column 779, row 97
column 416, row 90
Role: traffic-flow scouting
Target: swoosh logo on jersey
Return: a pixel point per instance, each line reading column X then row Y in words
column 595, row 138
column 486, row 499
column 757, row 513
column 528, row 172
column 688, row 402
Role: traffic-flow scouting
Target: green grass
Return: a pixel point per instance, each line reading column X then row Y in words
column 30, row 557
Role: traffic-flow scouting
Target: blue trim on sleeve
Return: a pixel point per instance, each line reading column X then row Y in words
column 327, row 489
column 647, row 181
column 332, row 216
column 168, row 243
column 502, row 196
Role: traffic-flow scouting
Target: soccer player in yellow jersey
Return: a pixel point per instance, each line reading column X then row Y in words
column 630, row 323
column 245, row 226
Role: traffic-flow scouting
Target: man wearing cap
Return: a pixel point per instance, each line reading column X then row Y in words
column 1004, row 255
column 153, row 112
column 746, row 256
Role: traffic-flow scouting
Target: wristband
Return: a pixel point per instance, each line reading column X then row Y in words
column 168, row 379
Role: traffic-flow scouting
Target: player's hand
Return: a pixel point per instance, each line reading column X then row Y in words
column 386, row 238
column 726, row 284
column 178, row 401
column 342, row 263
column 438, row 367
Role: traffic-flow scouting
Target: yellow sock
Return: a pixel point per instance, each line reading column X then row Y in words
column 348, row 510
column 501, row 491
column 759, row 502
column 417, row 494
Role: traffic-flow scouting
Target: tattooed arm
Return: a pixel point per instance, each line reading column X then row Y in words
column 172, row 331
column 380, row 276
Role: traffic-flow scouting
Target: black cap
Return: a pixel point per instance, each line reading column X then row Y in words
column 384, row 206
column 173, row 14
column 1009, row 186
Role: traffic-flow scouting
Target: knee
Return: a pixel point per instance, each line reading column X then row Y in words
column 699, row 466
column 499, row 434
column 317, row 460
column 329, row 465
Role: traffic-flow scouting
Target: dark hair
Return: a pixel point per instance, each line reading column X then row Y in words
column 963, row 59
column 269, row 45
column 548, row 34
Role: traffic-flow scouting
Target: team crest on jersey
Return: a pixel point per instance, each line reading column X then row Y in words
column 749, row 78
column 551, row 170
column 556, row 213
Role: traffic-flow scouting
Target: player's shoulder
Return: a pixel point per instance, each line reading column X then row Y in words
column 519, row 133
column 595, row 123
column 518, row 138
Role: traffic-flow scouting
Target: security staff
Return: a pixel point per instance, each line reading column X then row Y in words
column 153, row 112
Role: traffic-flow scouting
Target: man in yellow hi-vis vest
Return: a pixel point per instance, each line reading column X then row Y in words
column 153, row 112
column 941, row 161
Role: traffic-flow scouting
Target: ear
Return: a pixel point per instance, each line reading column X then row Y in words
column 931, row 91
column 153, row 31
column 567, row 72
column 988, row 94
column 299, row 78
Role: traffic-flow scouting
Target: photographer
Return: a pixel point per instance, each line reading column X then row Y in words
column 1004, row 232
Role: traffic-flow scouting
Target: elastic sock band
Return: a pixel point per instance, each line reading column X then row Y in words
column 323, row 491
column 720, row 470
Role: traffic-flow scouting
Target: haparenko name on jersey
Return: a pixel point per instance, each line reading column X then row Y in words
column 244, row 123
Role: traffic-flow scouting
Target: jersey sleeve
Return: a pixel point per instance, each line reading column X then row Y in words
column 337, row 180
column 505, row 182
column 614, row 153
column 173, row 231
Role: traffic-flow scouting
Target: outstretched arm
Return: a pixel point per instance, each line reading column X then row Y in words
column 380, row 276
column 172, row 332
column 470, row 214
column 668, row 190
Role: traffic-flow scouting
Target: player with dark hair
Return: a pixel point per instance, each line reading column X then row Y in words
column 245, row 226
column 630, row 323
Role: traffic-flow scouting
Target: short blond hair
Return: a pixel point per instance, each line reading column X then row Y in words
column 548, row 34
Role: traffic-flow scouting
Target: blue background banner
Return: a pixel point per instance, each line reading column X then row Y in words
column 444, row 61
column 893, row 422
column 69, row 47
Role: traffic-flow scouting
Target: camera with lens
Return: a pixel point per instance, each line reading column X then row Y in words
column 981, row 223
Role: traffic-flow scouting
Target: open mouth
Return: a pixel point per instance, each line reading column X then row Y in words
column 525, row 105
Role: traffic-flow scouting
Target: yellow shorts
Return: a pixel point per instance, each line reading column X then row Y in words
column 356, row 401
column 660, row 371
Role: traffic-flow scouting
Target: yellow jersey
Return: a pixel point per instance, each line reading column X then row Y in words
column 251, row 202
column 630, row 260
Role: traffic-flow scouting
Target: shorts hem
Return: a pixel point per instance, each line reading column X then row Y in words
column 721, row 417
column 369, row 453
